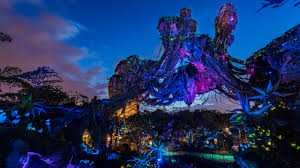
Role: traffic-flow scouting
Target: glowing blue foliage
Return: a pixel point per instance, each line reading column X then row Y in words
column 142, row 160
column 266, row 94
column 244, row 147
column 28, row 106
column 209, row 146
column 246, row 109
column 26, row 114
column 240, row 161
column 85, row 164
column 111, row 156
column 38, row 109
column 48, row 124
column 40, row 130
column 14, row 113
column 69, row 114
column 157, row 147
column 89, row 150
column 15, row 121
column 30, row 127
column 3, row 116
column 210, row 138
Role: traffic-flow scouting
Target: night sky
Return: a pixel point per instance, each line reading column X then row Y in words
column 83, row 40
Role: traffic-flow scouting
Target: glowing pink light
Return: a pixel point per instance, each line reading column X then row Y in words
column 250, row 70
column 223, row 57
column 173, row 26
column 204, row 83
column 183, row 53
column 202, row 88
column 199, row 66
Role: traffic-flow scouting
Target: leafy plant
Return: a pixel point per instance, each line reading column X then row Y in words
column 268, row 92
column 236, row 117
column 157, row 147
column 142, row 160
column 3, row 116
column 240, row 114
column 27, row 107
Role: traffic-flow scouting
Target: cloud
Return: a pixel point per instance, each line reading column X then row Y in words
column 71, row 30
column 42, row 41
column 9, row 4
column 5, row 4
column 102, row 90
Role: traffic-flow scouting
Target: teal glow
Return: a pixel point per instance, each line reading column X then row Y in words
column 208, row 156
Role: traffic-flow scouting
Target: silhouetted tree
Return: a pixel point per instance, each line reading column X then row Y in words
column 43, row 84
column 5, row 37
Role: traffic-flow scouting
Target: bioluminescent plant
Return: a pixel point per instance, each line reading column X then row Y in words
column 246, row 109
column 86, row 164
column 55, row 125
column 17, row 118
column 89, row 150
column 268, row 92
column 111, row 156
column 142, row 160
column 3, row 116
column 157, row 147
column 240, row 161
column 30, row 127
column 48, row 124
column 29, row 108
column 244, row 147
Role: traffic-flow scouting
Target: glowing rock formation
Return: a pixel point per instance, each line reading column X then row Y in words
column 193, row 64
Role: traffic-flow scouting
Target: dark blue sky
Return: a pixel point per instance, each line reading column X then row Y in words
column 111, row 30
column 119, row 28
